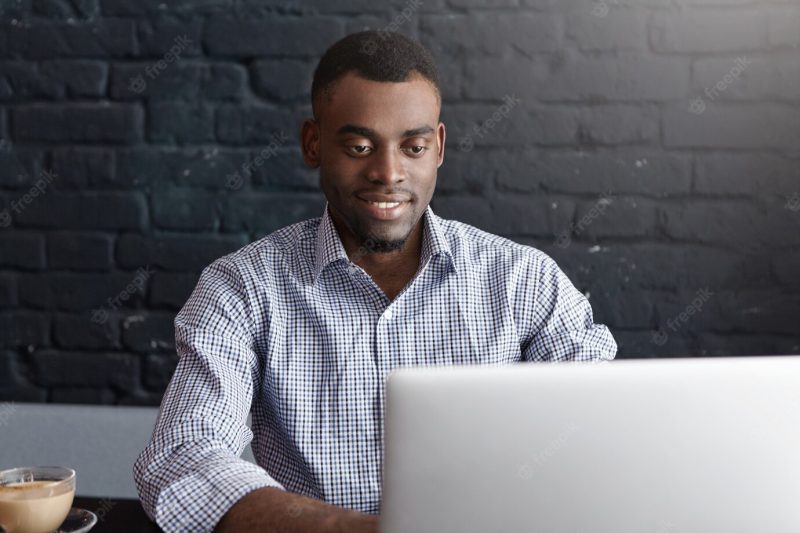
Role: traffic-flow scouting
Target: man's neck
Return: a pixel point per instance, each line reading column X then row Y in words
column 391, row 271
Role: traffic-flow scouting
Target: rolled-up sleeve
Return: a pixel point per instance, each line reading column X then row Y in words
column 190, row 474
column 561, row 326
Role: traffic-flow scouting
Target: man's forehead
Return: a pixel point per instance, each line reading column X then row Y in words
column 360, row 106
column 352, row 89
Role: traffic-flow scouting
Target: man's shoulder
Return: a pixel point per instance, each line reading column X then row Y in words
column 474, row 244
column 280, row 244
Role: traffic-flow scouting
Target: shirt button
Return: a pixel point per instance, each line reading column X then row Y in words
column 387, row 314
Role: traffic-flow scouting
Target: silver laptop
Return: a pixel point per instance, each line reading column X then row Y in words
column 637, row 446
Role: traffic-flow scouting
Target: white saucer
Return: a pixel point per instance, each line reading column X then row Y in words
column 78, row 521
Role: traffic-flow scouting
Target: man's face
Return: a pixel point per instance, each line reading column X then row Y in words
column 379, row 145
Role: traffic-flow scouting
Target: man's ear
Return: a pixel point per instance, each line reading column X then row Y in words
column 441, row 134
column 309, row 142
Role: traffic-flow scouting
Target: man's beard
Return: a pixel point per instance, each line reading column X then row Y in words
column 370, row 244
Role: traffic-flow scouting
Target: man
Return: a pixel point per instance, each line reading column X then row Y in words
column 303, row 326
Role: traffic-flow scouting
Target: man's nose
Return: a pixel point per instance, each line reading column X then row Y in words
column 386, row 167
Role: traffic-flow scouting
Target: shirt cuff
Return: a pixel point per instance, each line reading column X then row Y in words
column 198, row 501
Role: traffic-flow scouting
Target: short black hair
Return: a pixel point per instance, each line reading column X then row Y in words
column 374, row 55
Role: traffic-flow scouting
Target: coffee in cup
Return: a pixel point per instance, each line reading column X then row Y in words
column 35, row 499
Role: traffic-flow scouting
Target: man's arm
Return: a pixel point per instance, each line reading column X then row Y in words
column 271, row 510
column 190, row 474
column 559, row 319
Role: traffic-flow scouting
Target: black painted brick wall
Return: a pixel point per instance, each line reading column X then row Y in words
column 651, row 147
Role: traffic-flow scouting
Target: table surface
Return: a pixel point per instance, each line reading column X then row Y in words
column 117, row 516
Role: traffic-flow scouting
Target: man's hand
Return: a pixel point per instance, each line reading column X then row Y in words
column 272, row 510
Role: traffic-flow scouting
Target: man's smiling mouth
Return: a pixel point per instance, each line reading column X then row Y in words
column 384, row 208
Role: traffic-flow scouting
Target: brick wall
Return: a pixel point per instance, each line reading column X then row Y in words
column 651, row 147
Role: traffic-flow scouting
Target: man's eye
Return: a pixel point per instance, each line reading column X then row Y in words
column 359, row 149
column 418, row 150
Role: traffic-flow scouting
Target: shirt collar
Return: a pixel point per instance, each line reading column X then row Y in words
column 329, row 247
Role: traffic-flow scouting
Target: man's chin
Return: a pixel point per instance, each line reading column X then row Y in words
column 378, row 246
column 384, row 236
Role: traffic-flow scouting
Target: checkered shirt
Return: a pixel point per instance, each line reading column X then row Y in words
column 289, row 329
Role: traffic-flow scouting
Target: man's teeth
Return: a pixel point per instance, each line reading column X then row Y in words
column 386, row 205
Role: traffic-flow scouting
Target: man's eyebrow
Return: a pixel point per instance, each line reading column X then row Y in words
column 359, row 130
column 371, row 134
column 418, row 131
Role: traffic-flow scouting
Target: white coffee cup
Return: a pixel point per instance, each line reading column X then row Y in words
column 35, row 499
